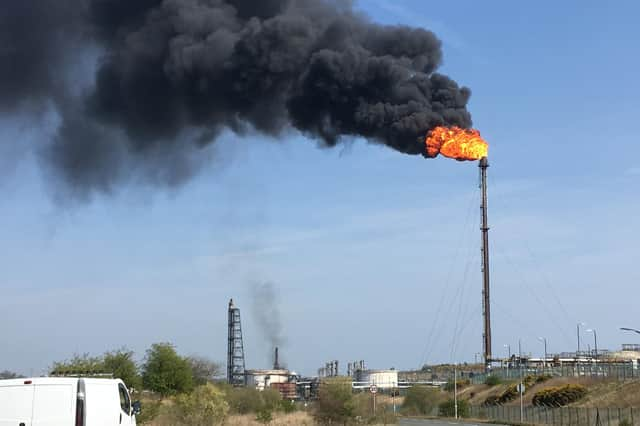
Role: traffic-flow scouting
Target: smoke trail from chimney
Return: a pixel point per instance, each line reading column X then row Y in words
column 266, row 312
column 173, row 74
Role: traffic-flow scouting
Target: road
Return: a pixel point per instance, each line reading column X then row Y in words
column 421, row 422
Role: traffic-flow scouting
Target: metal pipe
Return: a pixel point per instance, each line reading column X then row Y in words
column 484, row 227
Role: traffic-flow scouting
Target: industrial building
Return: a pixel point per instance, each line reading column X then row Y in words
column 288, row 383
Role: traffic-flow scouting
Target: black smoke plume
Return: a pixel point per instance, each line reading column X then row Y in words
column 172, row 74
column 266, row 312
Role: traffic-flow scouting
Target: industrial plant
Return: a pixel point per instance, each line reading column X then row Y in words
column 291, row 385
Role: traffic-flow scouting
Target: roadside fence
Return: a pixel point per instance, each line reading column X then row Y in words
column 600, row 370
column 559, row 416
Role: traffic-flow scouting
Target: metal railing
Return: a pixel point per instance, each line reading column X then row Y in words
column 561, row 416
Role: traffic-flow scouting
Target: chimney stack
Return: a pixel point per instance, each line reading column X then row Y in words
column 276, row 364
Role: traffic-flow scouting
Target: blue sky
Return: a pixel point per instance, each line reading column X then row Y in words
column 375, row 254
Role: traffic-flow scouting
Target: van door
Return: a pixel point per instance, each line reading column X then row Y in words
column 16, row 403
column 126, row 418
column 102, row 403
column 54, row 404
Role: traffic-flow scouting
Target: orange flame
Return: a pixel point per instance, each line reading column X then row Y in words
column 457, row 143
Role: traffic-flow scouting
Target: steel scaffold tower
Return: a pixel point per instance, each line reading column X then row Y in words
column 235, row 348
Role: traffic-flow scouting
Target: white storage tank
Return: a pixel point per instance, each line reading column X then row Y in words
column 383, row 379
column 263, row 379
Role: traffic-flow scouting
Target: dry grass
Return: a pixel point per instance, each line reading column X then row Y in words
column 294, row 419
column 612, row 394
column 602, row 393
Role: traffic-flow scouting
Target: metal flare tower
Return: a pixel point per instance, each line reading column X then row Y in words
column 235, row 348
column 484, row 228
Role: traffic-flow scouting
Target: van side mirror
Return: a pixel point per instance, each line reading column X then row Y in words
column 136, row 408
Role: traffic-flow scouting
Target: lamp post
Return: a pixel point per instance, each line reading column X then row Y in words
column 630, row 329
column 578, row 333
column 455, row 390
column 520, row 387
column 595, row 341
column 509, row 357
column 544, row 361
column 519, row 353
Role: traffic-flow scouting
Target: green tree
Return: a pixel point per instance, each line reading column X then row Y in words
column 166, row 372
column 6, row 374
column 84, row 365
column 204, row 370
column 120, row 363
column 420, row 400
column 205, row 406
column 335, row 403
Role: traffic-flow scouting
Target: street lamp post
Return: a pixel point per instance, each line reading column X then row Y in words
column 509, row 357
column 520, row 387
column 455, row 390
column 544, row 361
column 578, row 333
column 630, row 329
column 595, row 341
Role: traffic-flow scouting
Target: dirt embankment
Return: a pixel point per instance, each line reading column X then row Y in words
column 601, row 393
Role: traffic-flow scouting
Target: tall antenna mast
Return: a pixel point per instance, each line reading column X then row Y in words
column 486, row 301
column 235, row 348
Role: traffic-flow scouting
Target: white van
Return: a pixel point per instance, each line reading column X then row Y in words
column 53, row 401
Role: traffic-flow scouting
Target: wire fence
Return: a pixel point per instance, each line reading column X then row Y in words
column 610, row 371
column 561, row 416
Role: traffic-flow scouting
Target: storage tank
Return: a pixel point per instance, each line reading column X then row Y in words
column 263, row 379
column 383, row 379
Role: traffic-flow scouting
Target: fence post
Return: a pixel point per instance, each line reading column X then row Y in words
column 608, row 416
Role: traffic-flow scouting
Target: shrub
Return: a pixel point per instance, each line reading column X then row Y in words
column 492, row 380
column 509, row 394
column 264, row 416
column 335, row 402
column 420, row 400
column 287, row 406
column 450, row 385
column 559, row 396
column 271, row 399
column 250, row 400
column 625, row 422
column 84, row 365
column 205, row 406
column 447, row 408
column 534, row 380
column 148, row 412
column 543, row 378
